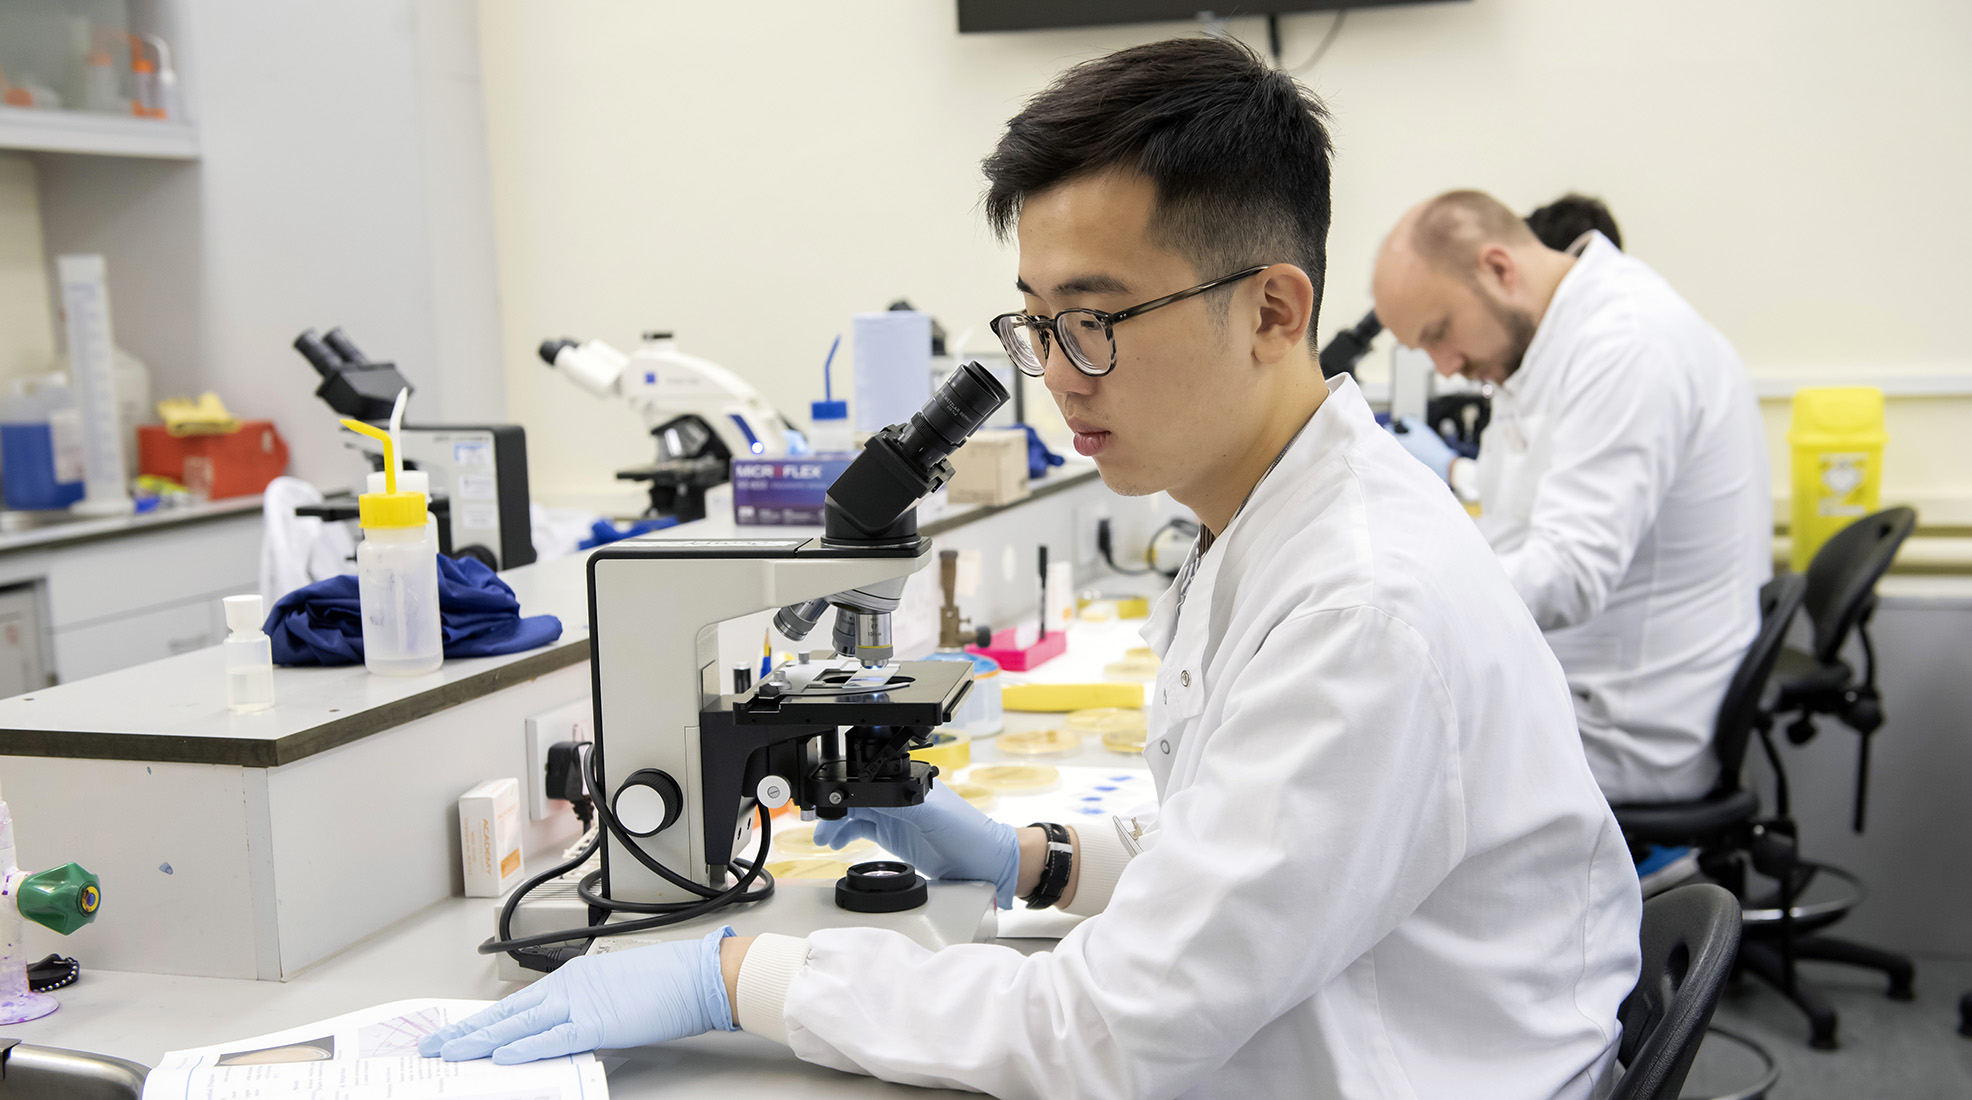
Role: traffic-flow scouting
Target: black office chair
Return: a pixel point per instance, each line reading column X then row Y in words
column 1690, row 937
column 1840, row 598
column 1721, row 823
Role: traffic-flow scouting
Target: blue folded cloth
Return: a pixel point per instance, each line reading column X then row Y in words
column 1039, row 458
column 322, row 623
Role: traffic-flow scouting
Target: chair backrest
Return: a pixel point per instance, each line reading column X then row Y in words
column 1690, row 938
column 1844, row 572
column 1780, row 600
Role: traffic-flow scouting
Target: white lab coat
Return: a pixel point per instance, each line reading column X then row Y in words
column 1381, row 867
column 1623, row 482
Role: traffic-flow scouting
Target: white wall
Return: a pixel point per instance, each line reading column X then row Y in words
column 342, row 180
column 750, row 174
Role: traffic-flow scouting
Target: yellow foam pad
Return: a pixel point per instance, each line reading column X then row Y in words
column 1060, row 698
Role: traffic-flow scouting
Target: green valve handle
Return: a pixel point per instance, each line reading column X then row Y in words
column 62, row 898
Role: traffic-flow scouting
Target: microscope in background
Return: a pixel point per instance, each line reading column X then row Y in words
column 478, row 472
column 684, row 762
column 1460, row 417
column 701, row 415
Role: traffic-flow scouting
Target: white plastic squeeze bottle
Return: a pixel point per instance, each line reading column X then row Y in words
column 396, row 575
column 249, row 656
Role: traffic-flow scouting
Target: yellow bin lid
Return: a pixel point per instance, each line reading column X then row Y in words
column 1849, row 416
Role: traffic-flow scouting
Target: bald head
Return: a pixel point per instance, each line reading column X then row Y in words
column 1462, row 277
column 1449, row 231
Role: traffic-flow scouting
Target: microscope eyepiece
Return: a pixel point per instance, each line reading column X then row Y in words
column 875, row 500
column 957, row 410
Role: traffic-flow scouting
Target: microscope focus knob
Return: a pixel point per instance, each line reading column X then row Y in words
column 773, row 792
column 647, row 803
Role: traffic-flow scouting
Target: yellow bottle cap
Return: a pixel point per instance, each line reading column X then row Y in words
column 391, row 509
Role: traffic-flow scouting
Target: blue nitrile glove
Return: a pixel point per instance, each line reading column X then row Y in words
column 623, row 999
column 944, row 837
column 1426, row 446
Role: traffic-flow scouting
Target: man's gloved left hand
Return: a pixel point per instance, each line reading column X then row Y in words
column 1425, row 445
column 622, row 999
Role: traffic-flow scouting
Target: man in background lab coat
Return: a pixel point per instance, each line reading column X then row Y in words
column 1622, row 480
column 1381, row 866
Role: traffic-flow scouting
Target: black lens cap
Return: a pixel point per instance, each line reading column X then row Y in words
column 880, row 886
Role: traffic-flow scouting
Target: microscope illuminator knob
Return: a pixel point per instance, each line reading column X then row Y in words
column 773, row 792
column 647, row 802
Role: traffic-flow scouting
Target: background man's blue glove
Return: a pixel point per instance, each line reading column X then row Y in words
column 1426, row 446
column 622, row 999
column 943, row 837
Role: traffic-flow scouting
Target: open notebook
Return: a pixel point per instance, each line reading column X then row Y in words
column 367, row 1055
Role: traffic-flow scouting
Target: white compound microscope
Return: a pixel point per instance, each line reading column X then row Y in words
column 686, row 767
column 701, row 414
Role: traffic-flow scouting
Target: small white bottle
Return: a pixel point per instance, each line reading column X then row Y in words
column 829, row 431
column 249, row 656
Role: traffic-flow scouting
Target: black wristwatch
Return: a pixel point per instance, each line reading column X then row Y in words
column 1055, row 869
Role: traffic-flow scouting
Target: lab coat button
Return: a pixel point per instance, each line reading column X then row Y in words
column 1184, row 677
column 1165, row 746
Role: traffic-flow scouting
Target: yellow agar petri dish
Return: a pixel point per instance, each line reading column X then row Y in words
column 980, row 795
column 950, row 752
column 1015, row 778
column 801, row 842
column 1048, row 742
column 808, row 867
column 1120, row 730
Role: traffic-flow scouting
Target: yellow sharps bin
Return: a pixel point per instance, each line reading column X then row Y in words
column 1837, row 436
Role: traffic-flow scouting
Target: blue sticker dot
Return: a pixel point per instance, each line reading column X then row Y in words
column 165, row 867
column 1092, row 811
column 1092, row 798
column 1106, row 787
column 1119, row 779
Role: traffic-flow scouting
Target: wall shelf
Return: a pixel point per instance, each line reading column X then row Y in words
column 96, row 134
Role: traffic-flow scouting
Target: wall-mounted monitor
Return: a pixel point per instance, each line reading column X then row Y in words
column 1020, row 15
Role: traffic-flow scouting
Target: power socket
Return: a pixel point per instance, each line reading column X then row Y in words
column 1087, row 554
column 572, row 721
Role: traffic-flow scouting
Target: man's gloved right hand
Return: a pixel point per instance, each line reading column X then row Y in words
column 943, row 837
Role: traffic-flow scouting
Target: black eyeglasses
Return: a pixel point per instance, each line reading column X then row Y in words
column 1087, row 335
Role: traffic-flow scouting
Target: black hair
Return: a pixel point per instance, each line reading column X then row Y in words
column 1560, row 222
column 1237, row 150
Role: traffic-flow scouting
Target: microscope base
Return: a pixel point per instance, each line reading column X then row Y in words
column 955, row 912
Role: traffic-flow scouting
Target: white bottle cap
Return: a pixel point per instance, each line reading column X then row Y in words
column 244, row 614
column 408, row 481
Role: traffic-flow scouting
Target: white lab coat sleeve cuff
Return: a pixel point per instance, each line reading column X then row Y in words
column 769, row 968
column 1102, row 857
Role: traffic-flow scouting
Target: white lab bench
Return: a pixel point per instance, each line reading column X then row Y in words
column 256, row 845
column 429, row 953
column 80, row 596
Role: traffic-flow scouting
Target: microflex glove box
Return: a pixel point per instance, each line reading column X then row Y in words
column 784, row 492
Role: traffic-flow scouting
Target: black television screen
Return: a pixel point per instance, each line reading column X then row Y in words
column 1020, row 15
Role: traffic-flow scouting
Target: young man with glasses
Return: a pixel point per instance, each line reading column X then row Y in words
column 1380, row 867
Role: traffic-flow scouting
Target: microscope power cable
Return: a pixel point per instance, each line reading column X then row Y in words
column 665, row 913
